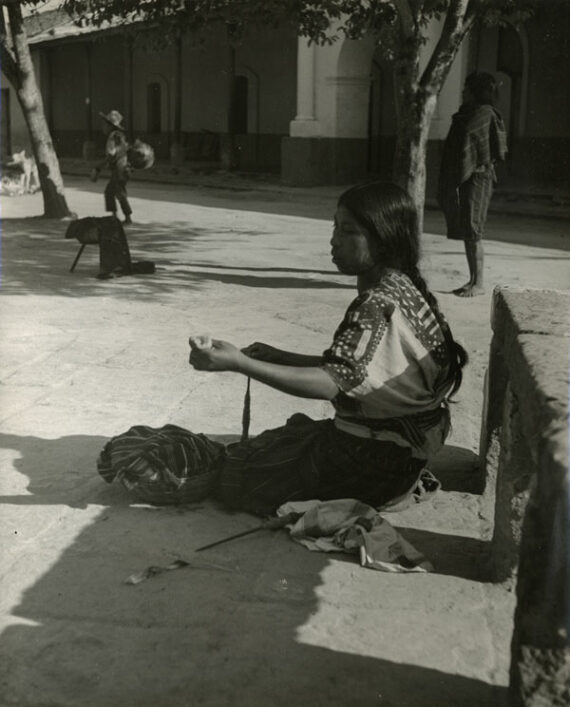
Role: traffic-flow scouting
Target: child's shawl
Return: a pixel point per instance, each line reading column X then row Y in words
column 477, row 137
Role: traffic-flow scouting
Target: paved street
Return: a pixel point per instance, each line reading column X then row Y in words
column 263, row 622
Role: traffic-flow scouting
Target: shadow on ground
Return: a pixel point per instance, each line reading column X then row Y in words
column 226, row 631
column 458, row 469
column 37, row 259
column 63, row 472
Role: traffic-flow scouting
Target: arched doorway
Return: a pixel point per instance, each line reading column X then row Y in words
column 154, row 108
column 511, row 64
column 381, row 118
column 349, row 88
column 503, row 51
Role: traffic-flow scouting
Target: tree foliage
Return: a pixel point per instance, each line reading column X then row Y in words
column 322, row 22
column 400, row 28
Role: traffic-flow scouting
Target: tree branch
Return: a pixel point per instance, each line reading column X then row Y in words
column 475, row 8
column 9, row 65
column 430, row 5
column 456, row 25
column 406, row 17
column 7, row 57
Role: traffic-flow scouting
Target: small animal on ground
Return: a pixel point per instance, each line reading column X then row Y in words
column 29, row 178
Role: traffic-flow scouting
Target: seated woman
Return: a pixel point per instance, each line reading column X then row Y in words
column 389, row 372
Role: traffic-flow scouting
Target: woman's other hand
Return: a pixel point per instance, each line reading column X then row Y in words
column 218, row 356
column 264, row 352
column 204, row 341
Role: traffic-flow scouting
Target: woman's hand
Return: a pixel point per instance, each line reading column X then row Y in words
column 266, row 365
column 213, row 355
column 264, row 352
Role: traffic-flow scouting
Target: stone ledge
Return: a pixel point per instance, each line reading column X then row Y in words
column 525, row 446
column 531, row 329
column 530, row 311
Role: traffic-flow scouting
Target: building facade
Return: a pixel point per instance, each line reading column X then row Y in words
column 316, row 115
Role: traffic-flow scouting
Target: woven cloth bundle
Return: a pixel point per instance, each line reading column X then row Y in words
column 163, row 465
column 140, row 155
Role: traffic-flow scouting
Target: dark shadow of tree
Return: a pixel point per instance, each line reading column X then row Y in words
column 229, row 630
column 37, row 259
column 63, row 471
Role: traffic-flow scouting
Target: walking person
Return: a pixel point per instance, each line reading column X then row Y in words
column 475, row 142
column 389, row 372
column 116, row 159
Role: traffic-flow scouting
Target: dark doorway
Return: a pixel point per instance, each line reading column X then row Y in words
column 154, row 107
column 510, row 62
column 381, row 118
column 239, row 112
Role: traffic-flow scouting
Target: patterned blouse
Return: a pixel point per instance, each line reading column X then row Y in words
column 390, row 361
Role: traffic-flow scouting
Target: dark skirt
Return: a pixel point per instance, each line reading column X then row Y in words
column 307, row 459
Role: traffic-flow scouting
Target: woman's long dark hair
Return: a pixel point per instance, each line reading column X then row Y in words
column 389, row 214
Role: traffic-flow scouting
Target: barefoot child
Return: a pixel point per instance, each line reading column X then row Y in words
column 476, row 141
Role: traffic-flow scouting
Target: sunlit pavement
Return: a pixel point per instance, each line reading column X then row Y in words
column 264, row 621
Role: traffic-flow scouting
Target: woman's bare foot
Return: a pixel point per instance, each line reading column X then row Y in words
column 469, row 291
column 460, row 290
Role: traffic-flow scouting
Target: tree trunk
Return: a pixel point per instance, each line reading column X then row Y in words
column 409, row 170
column 415, row 107
column 417, row 92
column 29, row 97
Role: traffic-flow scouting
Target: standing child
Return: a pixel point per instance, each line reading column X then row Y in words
column 116, row 159
column 475, row 142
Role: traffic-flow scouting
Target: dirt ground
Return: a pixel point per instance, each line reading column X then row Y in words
column 261, row 621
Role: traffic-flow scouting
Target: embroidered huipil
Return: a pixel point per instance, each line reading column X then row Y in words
column 390, row 361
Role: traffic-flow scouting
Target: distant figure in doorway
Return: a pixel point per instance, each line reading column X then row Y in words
column 116, row 159
column 475, row 142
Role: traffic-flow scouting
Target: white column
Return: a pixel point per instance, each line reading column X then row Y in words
column 305, row 123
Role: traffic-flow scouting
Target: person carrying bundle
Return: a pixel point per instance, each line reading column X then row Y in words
column 116, row 159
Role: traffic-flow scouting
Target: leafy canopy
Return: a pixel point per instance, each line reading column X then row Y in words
column 322, row 21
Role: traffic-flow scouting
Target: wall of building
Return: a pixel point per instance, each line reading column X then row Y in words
column 14, row 130
column 354, row 129
column 266, row 59
column 537, row 111
column 533, row 97
column 544, row 151
column 270, row 57
column 15, row 136
column 345, row 90
column 73, row 114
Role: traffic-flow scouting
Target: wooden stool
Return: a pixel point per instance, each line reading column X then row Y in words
column 81, row 248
